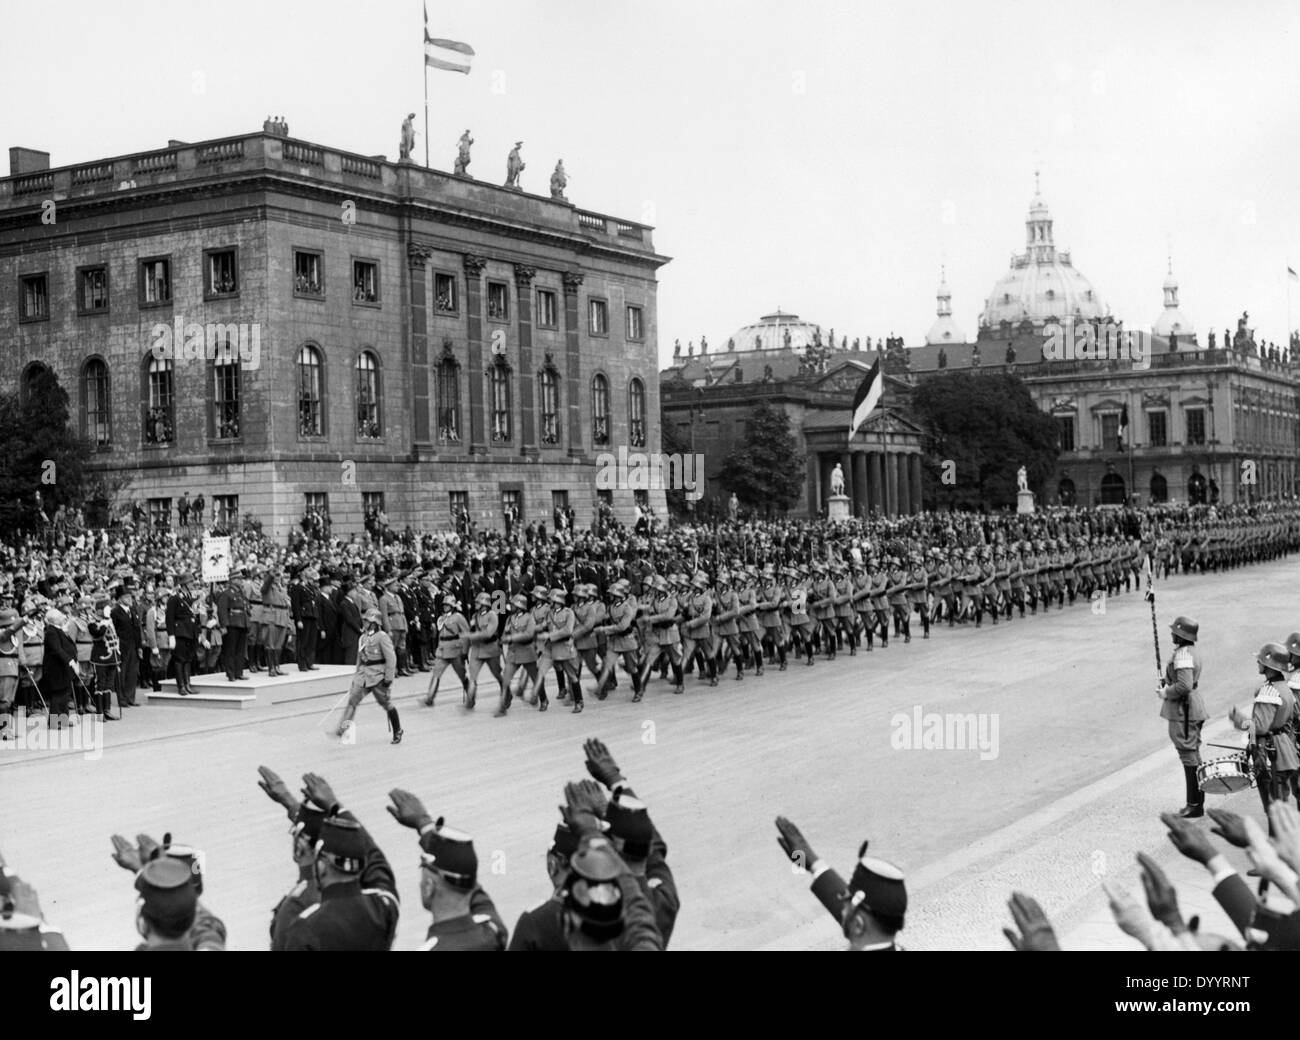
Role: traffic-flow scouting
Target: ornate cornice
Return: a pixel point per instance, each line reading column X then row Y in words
column 474, row 264
column 572, row 282
column 524, row 275
column 418, row 254
column 448, row 353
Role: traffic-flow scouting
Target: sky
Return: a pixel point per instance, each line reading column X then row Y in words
column 821, row 157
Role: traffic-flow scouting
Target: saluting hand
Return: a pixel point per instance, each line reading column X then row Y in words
column 126, row 855
column 1188, row 839
column 1035, row 931
column 1230, row 827
column 1162, row 898
column 586, row 796
column 600, row 763
column 315, row 788
column 795, row 845
column 408, row 810
column 277, row 790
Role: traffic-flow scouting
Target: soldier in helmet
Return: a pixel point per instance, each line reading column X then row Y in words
column 453, row 631
column 1293, row 650
column 1184, row 708
column 376, row 668
column 484, row 645
column 518, row 643
column 697, row 628
column 558, row 651
column 1270, row 725
column 620, row 633
column 662, row 638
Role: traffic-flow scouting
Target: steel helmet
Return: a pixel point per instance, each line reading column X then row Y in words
column 1274, row 656
column 371, row 617
column 1185, row 628
column 1293, row 644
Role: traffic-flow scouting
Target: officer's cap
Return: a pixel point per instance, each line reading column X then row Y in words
column 451, row 853
column 308, row 820
column 629, row 820
column 565, row 842
column 592, row 891
column 167, row 897
column 341, row 844
column 879, row 886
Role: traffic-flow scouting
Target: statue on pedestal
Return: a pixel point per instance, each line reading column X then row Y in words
column 1211, row 339
column 837, row 480
column 514, row 166
column 733, row 506
column 704, row 344
column 462, row 155
column 408, row 137
column 559, row 181
column 1022, row 478
column 787, row 339
column 677, row 348
column 943, row 358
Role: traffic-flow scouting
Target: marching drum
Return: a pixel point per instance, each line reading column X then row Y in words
column 1225, row 775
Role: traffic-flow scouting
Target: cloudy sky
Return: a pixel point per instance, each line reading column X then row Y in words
column 824, row 157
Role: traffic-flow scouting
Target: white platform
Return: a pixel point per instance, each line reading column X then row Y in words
column 257, row 690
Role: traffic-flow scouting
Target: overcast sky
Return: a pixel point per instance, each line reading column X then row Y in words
column 824, row 157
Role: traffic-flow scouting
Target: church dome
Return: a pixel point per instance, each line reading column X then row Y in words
column 944, row 329
column 1042, row 285
column 776, row 331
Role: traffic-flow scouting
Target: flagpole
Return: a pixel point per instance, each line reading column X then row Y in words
column 426, row 114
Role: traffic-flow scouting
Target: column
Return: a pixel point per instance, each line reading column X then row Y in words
column 891, row 484
column 917, row 503
column 527, row 400
column 416, row 256
column 573, row 372
column 827, row 465
column 850, row 486
column 861, row 502
column 474, row 333
column 904, row 485
column 876, row 471
column 814, row 484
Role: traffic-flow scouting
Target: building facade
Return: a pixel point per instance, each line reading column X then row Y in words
column 274, row 324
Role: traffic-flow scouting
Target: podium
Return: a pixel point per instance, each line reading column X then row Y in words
column 1024, row 502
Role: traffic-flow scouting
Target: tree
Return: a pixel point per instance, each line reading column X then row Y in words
column 979, row 430
column 41, row 454
column 766, row 472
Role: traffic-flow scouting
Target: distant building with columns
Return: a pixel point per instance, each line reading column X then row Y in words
column 708, row 395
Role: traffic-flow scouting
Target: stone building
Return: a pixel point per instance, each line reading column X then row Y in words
column 273, row 323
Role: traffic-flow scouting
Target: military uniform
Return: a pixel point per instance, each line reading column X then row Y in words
column 233, row 617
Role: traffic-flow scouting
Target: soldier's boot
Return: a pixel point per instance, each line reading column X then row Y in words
column 395, row 724
column 780, row 656
column 346, row 721
column 677, row 679
column 758, row 660
column 503, row 701
column 979, row 617
column 907, row 630
column 993, row 613
column 869, row 634
column 925, row 625
column 1195, row 806
column 637, row 691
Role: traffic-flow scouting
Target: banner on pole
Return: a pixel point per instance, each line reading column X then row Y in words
column 216, row 559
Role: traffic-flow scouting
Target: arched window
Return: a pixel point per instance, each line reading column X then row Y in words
column 1065, row 491
column 95, row 403
column 1159, row 488
column 369, row 419
column 311, row 415
column 31, row 374
column 600, row 409
column 1112, row 490
column 226, row 418
column 500, row 396
column 636, row 413
column 159, row 414
column 549, row 389
column 448, row 398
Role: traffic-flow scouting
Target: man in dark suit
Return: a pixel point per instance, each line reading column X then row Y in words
column 232, row 618
column 303, row 597
column 60, row 665
column 182, row 632
column 130, row 639
column 327, row 621
column 349, row 622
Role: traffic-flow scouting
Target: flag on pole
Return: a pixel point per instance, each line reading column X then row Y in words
column 445, row 54
column 1123, row 426
column 867, row 397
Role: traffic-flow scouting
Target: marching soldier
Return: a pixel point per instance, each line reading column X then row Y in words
column 897, row 593
column 464, row 916
column 918, row 594
column 453, row 633
column 1270, row 724
column 376, row 669
column 621, row 637
column 484, row 645
column 798, row 617
column 393, row 611
column 1184, row 708
column 519, row 640
column 558, row 651
column 358, row 908
column 588, row 612
column 845, row 619
column 727, row 625
column 772, row 598
column 662, row 639
column 750, row 630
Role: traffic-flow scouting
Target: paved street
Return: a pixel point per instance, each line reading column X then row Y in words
column 1082, row 767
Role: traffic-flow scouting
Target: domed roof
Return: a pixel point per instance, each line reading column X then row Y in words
column 776, row 331
column 944, row 329
column 1042, row 285
column 1172, row 321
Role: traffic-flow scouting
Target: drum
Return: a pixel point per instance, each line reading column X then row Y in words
column 1225, row 775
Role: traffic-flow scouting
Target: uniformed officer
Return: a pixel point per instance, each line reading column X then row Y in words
column 727, row 624
column 1184, row 708
column 304, row 603
column 376, row 668
column 233, row 621
column 484, row 646
column 772, row 598
column 453, row 632
column 305, row 818
column 542, row 927
column 464, row 916
column 662, row 638
column 1270, row 725
column 182, row 632
column 621, row 637
column 393, row 611
column 520, row 651
column 870, row 909
column 697, row 629
column 897, row 593
column 588, row 612
column 167, row 907
column 358, row 908
column 558, row 651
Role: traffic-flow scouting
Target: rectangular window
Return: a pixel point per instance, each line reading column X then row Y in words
column 642, row 499
column 1196, row 426
column 160, row 514
column 559, row 504
column 598, row 317
column 513, row 500
column 1065, row 425
column 221, row 274
column 159, row 424
column 459, row 503
column 444, row 294
column 635, row 330
column 1157, row 433
column 605, row 497
column 225, row 401
column 225, row 511
column 372, row 503
column 317, row 502
column 308, row 273
column 547, row 312
column 155, row 282
column 1110, row 432
column 34, row 297
column 365, row 281
column 92, row 290
column 498, row 301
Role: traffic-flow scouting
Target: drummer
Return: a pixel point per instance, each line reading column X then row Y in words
column 1270, row 719
column 1184, row 708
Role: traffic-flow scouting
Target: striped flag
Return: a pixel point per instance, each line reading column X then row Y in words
column 445, row 54
column 867, row 397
